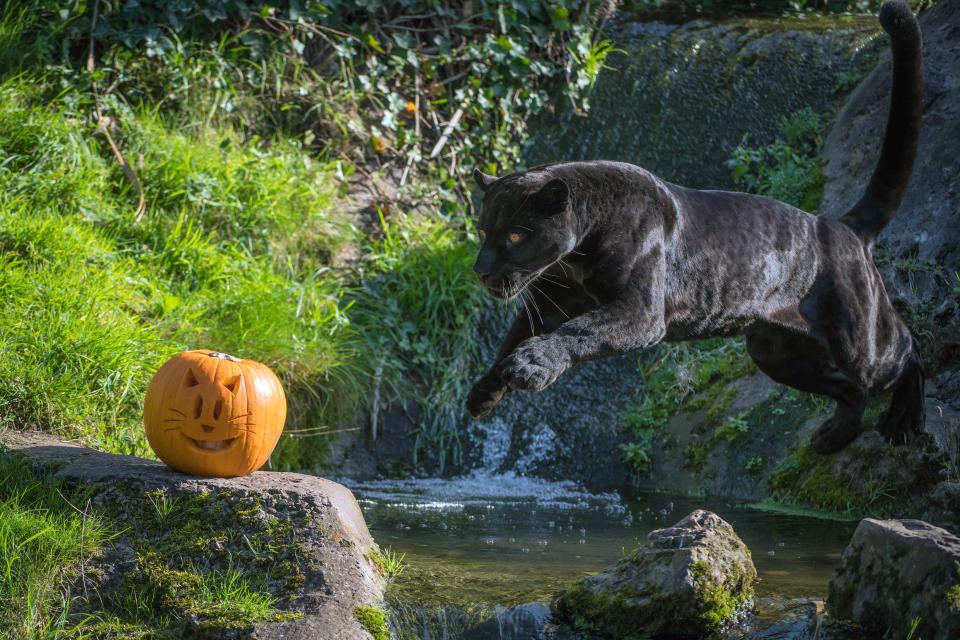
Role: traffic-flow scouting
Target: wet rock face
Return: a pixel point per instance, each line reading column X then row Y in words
column 303, row 536
column 688, row 581
column 896, row 572
column 569, row 431
column 682, row 97
column 919, row 252
column 928, row 223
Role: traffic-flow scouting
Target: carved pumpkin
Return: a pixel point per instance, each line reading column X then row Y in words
column 210, row 414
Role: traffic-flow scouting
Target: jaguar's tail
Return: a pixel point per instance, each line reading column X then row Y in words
column 889, row 181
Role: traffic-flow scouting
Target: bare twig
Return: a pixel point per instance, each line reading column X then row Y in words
column 454, row 121
column 103, row 123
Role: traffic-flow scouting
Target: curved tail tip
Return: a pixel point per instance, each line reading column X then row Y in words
column 897, row 18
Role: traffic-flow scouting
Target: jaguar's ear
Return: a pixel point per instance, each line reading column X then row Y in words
column 484, row 180
column 553, row 196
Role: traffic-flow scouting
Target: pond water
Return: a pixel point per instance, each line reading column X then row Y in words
column 507, row 540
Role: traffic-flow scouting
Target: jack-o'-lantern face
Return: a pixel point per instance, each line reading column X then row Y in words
column 210, row 414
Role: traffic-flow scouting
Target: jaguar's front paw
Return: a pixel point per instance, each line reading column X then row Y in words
column 484, row 396
column 531, row 366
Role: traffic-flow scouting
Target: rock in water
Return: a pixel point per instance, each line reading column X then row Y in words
column 299, row 541
column 897, row 574
column 689, row 580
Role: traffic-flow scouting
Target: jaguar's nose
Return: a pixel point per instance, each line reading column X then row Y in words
column 481, row 273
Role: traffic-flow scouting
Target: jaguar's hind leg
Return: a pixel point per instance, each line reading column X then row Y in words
column 800, row 362
column 903, row 421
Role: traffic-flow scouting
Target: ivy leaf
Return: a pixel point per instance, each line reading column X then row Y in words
column 374, row 44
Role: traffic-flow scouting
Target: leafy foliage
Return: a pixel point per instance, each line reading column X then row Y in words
column 372, row 80
column 789, row 169
column 682, row 376
column 243, row 121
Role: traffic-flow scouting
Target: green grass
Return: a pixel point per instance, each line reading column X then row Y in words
column 232, row 254
column 50, row 533
column 390, row 563
column 237, row 252
column 43, row 540
column 685, row 377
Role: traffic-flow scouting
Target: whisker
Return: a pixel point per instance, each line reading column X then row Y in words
column 173, row 420
column 529, row 316
column 544, row 294
column 180, row 412
column 533, row 301
column 172, row 429
column 554, row 280
column 246, row 415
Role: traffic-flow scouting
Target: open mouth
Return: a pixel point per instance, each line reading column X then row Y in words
column 211, row 445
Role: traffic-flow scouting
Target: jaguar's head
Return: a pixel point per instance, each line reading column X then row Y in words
column 526, row 224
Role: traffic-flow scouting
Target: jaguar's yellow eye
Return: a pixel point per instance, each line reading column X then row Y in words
column 515, row 237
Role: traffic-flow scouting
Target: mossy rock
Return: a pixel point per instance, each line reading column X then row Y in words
column 691, row 580
column 269, row 555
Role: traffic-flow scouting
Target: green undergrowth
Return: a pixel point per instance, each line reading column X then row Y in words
column 860, row 481
column 238, row 251
column 231, row 254
column 243, row 125
column 44, row 536
column 201, row 561
column 808, row 480
column 682, row 377
column 790, row 168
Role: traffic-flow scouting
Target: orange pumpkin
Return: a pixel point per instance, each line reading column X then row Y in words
column 210, row 414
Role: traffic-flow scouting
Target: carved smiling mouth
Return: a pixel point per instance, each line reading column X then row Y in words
column 211, row 445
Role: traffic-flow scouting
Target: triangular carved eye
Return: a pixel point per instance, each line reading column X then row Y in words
column 191, row 379
column 232, row 384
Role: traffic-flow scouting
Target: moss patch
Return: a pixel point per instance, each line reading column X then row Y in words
column 683, row 377
column 864, row 480
column 606, row 613
column 723, row 600
column 374, row 620
column 201, row 561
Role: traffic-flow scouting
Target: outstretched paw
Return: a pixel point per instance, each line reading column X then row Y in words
column 532, row 366
column 485, row 395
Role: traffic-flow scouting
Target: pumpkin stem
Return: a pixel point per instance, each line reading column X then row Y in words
column 223, row 356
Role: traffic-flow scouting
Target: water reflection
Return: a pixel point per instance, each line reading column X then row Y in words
column 508, row 540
